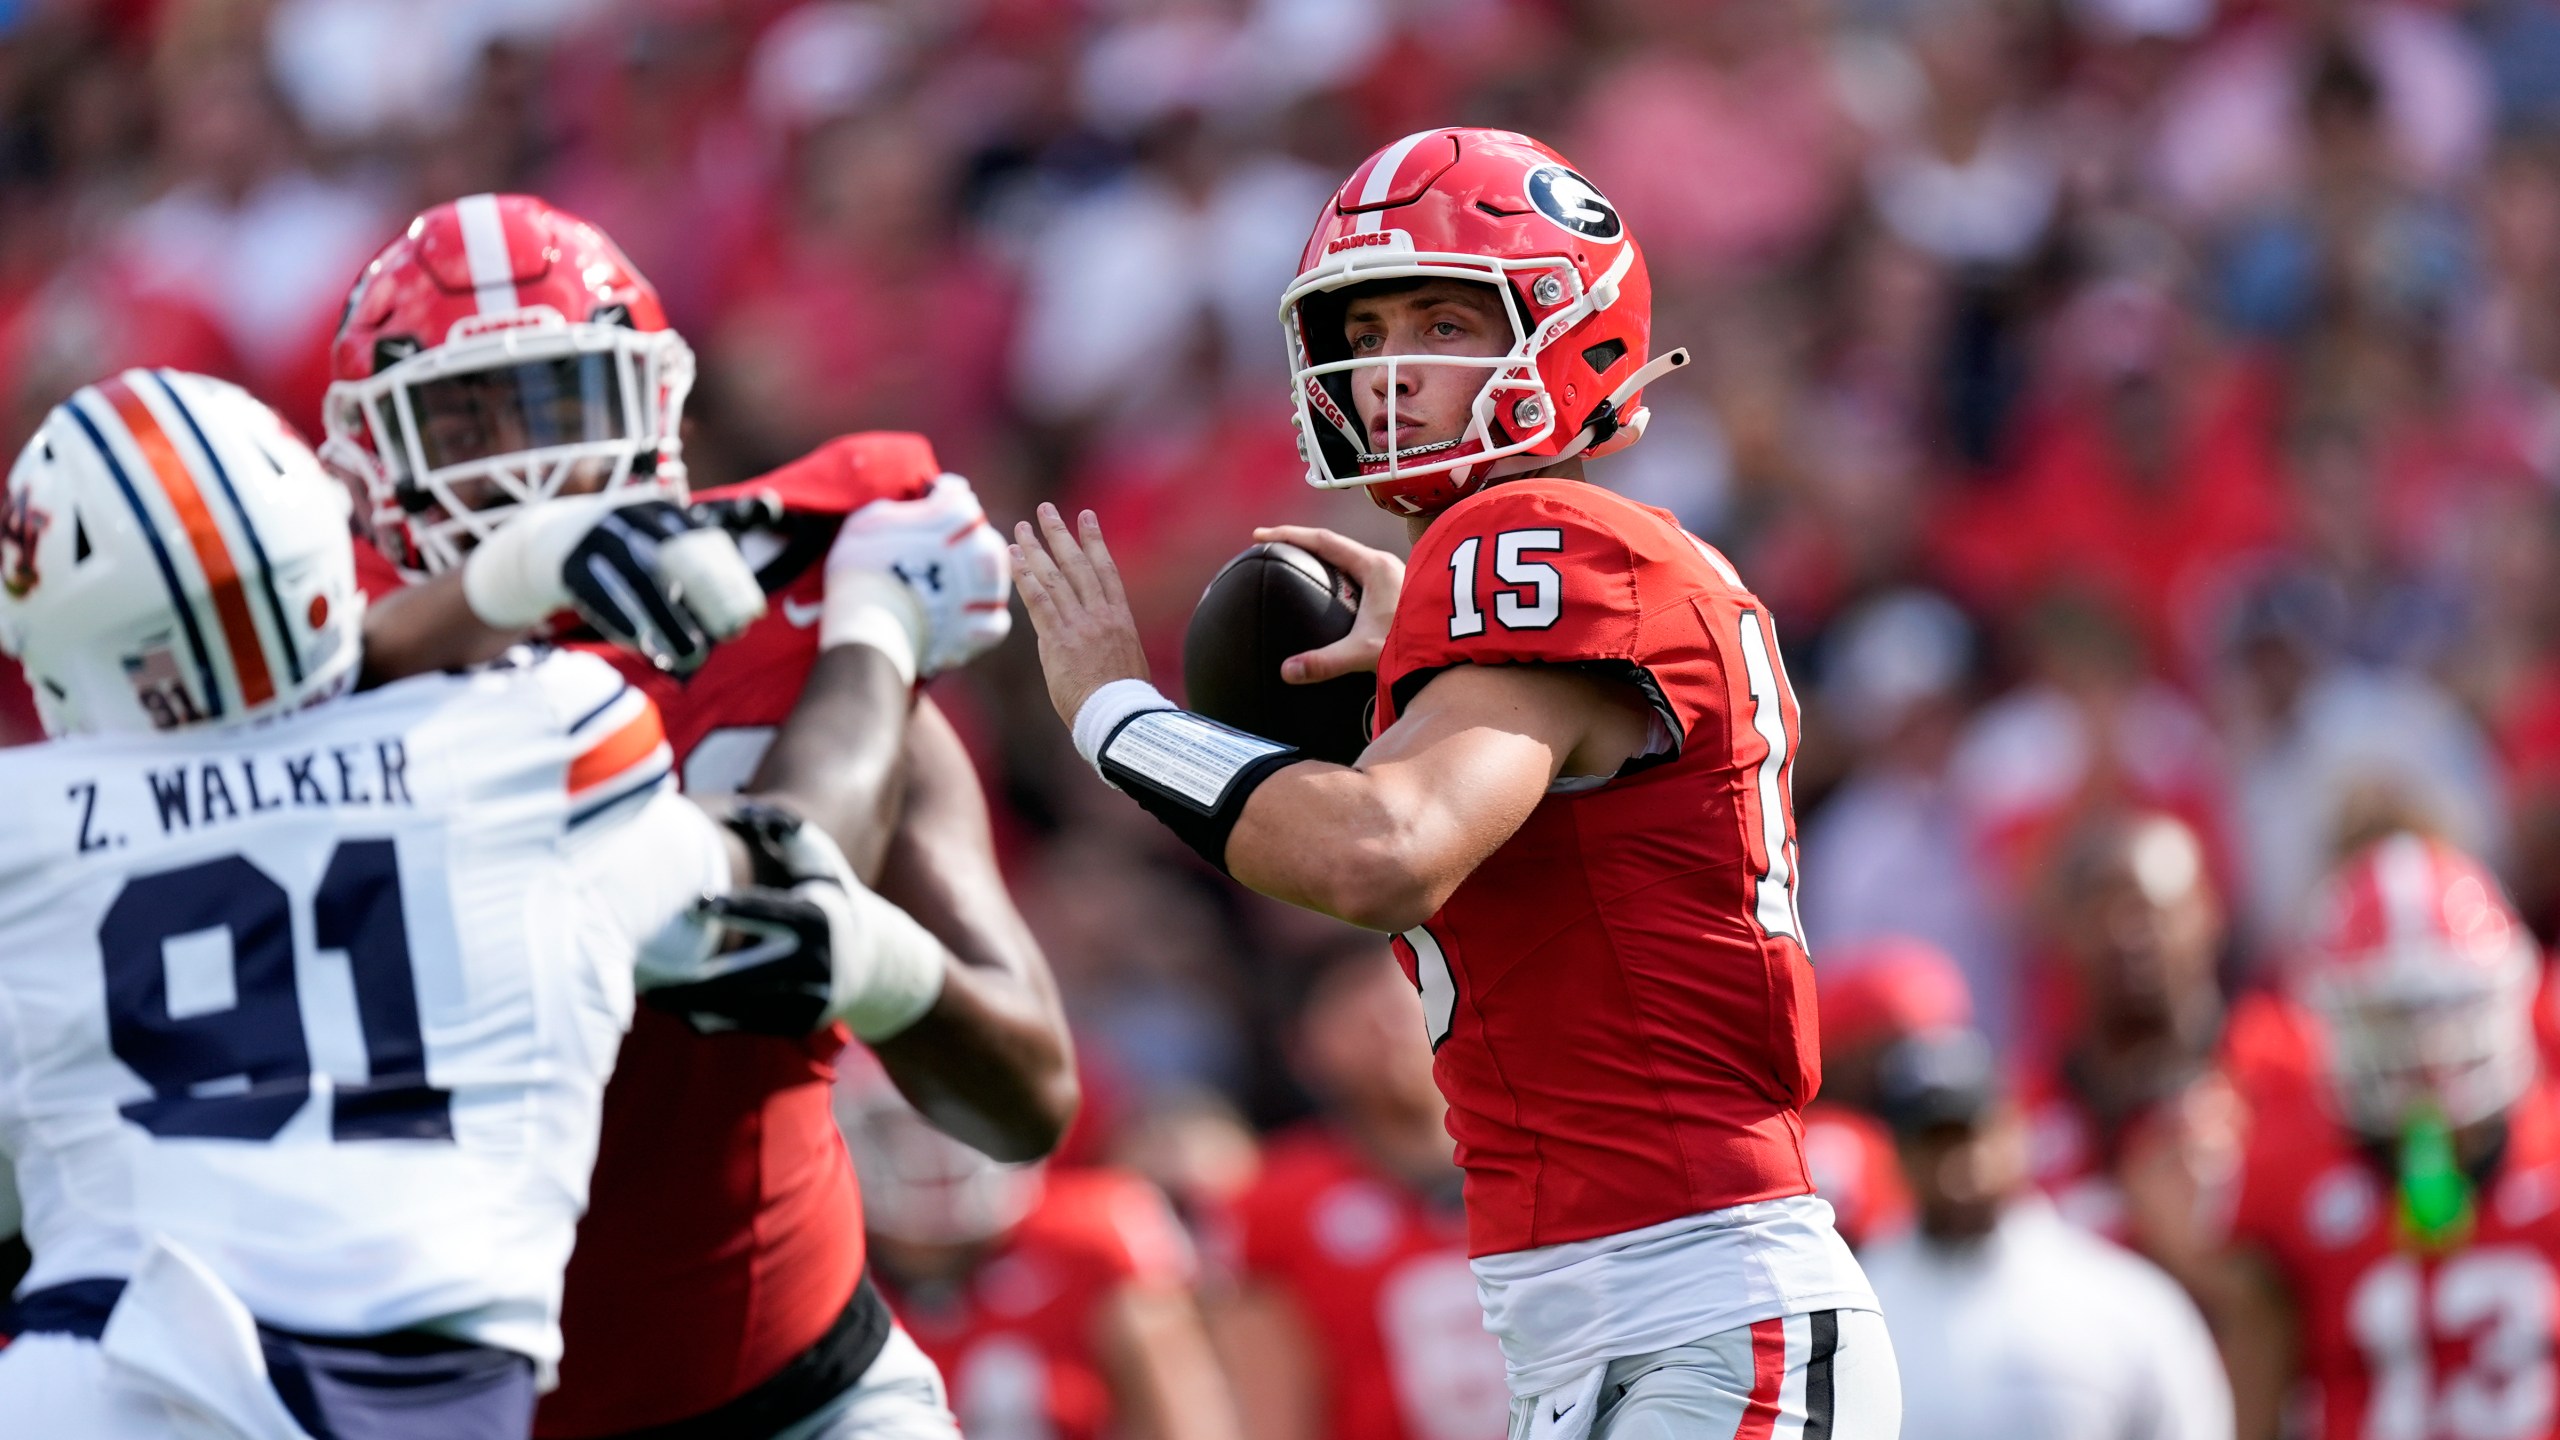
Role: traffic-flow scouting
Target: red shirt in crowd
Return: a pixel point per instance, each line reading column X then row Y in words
column 1379, row 1276
column 1019, row 1340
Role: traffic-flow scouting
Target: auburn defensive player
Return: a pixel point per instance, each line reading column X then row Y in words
column 501, row 355
column 2397, row 1231
column 1057, row 1302
column 1574, row 813
column 215, row 1136
column 1353, row 1314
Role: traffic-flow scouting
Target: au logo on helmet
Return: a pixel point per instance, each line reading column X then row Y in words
column 1573, row 202
column 21, row 526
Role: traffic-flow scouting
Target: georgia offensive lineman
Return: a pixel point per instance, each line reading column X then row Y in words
column 1574, row 813
column 308, row 996
column 497, row 360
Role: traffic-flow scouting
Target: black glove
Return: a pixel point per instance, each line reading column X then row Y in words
column 779, row 984
column 780, row 981
column 639, row 582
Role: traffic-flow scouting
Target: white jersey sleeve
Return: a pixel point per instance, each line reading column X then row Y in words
column 330, row 1002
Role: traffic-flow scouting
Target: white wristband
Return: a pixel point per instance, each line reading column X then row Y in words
column 904, row 977
column 1104, row 709
column 864, row 607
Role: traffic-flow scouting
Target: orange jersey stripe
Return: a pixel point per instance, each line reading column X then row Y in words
column 213, row 553
column 619, row 752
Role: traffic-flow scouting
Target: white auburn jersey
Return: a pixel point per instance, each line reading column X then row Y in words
column 330, row 1002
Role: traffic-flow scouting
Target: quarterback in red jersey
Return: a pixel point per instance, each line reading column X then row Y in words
column 502, row 372
column 2396, row 1235
column 1353, row 1313
column 1057, row 1303
column 1573, row 815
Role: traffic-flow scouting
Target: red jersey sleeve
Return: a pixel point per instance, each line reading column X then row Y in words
column 847, row 473
column 1561, row 572
column 1120, row 1224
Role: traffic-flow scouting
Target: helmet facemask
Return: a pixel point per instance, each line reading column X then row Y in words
column 451, row 441
column 2427, row 1036
column 1513, row 414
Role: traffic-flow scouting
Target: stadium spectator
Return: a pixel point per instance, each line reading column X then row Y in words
column 2007, row 1320
column 1055, row 1301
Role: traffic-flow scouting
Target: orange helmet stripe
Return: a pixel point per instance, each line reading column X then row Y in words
column 213, row 553
column 620, row 753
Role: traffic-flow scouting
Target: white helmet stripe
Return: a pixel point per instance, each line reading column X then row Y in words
column 484, row 244
column 150, row 528
column 1382, row 179
column 282, row 640
column 2403, row 874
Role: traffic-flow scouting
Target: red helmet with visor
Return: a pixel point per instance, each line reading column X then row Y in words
column 2424, row 980
column 1493, row 208
column 500, row 352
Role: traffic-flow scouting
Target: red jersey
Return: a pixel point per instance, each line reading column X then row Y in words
column 725, row 1230
column 2402, row 1344
column 1019, row 1341
column 1619, row 999
column 2072, row 1153
column 1380, row 1275
column 2265, row 1054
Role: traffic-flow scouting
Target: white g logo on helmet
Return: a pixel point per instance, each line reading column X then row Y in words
column 1574, row 203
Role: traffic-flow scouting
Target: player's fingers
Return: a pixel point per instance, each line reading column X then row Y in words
column 1034, row 563
column 1105, row 569
column 1073, row 566
column 1350, row 655
column 1035, row 595
column 1339, row 551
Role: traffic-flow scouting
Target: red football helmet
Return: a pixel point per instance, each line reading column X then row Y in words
column 2425, row 979
column 1494, row 208
column 495, row 353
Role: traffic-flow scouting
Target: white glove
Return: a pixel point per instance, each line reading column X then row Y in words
column 925, row 580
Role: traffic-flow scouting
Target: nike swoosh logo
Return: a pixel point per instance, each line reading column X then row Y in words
column 1559, row 1413
column 802, row 616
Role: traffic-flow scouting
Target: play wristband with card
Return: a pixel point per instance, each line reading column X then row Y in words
column 1191, row 772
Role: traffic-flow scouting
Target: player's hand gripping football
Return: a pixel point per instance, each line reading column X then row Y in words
column 1381, row 580
column 934, row 562
column 1088, row 638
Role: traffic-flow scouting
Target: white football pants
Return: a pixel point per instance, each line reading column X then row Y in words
column 62, row 1387
column 1825, row 1376
column 899, row 1398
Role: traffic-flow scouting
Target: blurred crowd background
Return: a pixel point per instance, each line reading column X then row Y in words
column 2129, row 408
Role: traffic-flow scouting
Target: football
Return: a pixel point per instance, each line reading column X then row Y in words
column 1267, row 604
